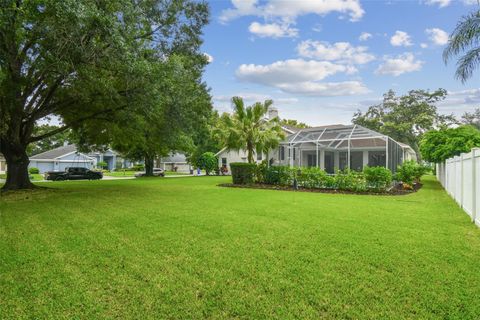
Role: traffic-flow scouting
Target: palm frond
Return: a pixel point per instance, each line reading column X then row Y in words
column 465, row 35
column 467, row 64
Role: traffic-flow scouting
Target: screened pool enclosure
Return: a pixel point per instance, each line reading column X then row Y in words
column 340, row 147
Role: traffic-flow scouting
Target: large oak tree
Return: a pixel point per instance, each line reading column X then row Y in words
column 84, row 62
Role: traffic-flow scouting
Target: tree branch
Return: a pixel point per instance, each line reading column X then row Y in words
column 65, row 127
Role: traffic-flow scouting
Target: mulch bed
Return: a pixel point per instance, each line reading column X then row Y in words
column 395, row 191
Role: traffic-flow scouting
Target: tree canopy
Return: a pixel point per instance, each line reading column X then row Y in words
column 249, row 130
column 50, row 142
column 87, row 63
column 293, row 123
column 472, row 118
column 439, row 145
column 405, row 118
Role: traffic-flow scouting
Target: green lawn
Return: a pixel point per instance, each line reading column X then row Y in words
column 132, row 173
column 187, row 249
column 33, row 177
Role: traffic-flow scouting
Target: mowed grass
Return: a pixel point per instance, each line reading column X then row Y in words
column 184, row 248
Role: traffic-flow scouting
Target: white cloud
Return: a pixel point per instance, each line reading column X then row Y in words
column 446, row 3
column 364, row 36
column 209, row 57
column 437, row 36
column 401, row 38
column 273, row 30
column 293, row 70
column 325, row 89
column 241, row 8
column 398, row 65
column 440, row 3
column 342, row 52
column 460, row 101
column 423, row 45
column 303, row 77
column 289, row 10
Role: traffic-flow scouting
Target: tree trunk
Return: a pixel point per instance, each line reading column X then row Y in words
column 149, row 161
column 249, row 152
column 17, row 166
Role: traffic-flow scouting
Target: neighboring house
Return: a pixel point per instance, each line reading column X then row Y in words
column 3, row 164
column 175, row 162
column 109, row 156
column 331, row 147
column 60, row 158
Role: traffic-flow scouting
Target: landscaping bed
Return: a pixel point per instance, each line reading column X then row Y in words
column 397, row 190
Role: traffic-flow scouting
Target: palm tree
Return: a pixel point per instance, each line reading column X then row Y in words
column 465, row 39
column 249, row 130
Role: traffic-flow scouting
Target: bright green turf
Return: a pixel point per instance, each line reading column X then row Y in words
column 186, row 249
column 33, row 177
column 132, row 173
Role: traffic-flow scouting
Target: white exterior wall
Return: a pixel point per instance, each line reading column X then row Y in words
column 238, row 156
column 460, row 176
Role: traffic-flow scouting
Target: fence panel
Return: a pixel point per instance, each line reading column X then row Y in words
column 460, row 176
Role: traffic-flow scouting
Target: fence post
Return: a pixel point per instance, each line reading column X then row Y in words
column 474, row 185
column 462, row 192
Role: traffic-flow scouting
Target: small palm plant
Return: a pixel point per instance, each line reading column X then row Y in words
column 249, row 130
column 465, row 39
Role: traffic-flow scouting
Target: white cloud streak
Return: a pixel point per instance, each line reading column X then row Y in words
column 342, row 52
column 399, row 65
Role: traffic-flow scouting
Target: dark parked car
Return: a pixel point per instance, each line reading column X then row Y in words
column 157, row 172
column 73, row 173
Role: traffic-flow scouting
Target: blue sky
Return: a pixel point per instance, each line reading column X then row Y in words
column 320, row 61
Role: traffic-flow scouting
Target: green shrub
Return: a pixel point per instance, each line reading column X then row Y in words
column 350, row 180
column 279, row 175
column 102, row 164
column 377, row 178
column 261, row 172
column 408, row 172
column 33, row 170
column 208, row 161
column 420, row 170
column 314, row 177
column 138, row 167
column 243, row 173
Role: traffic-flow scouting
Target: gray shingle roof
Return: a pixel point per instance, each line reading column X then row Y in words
column 55, row 153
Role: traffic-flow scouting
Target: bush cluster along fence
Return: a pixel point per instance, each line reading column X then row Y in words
column 460, row 176
column 373, row 179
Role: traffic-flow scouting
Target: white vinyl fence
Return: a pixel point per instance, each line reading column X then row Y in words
column 460, row 176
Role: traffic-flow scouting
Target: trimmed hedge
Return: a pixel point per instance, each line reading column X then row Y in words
column 243, row 173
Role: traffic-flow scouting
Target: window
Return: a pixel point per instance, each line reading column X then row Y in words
column 281, row 153
column 259, row 156
column 224, row 161
column 294, row 153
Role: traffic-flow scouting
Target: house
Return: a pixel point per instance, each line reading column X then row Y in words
column 175, row 162
column 225, row 156
column 60, row 158
column 340, row 147
column 3, row 164
column 331, row 147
